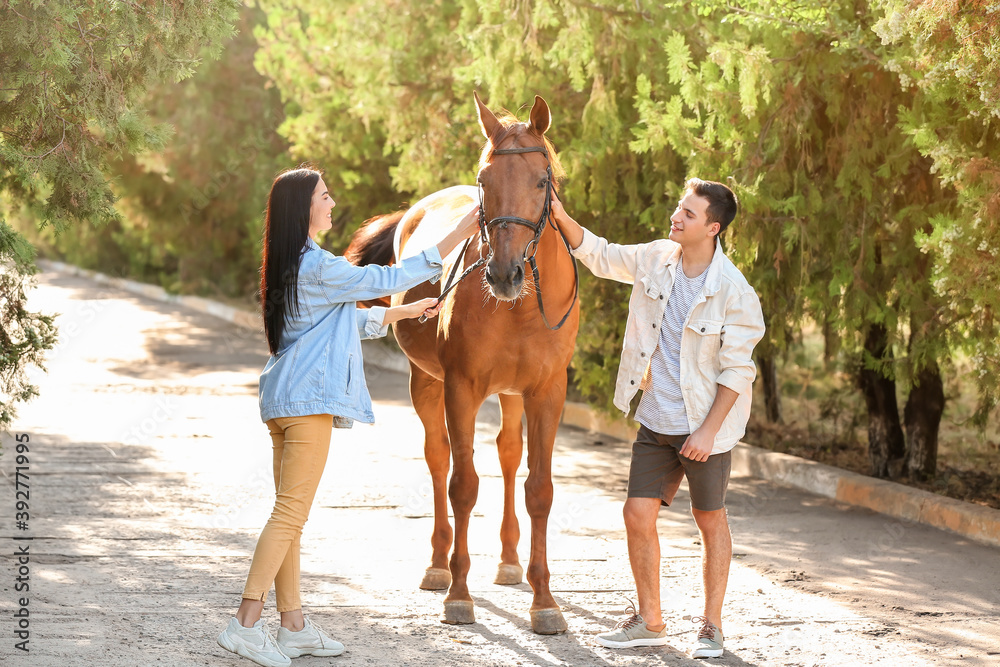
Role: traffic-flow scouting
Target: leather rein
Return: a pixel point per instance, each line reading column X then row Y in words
column 529, row 250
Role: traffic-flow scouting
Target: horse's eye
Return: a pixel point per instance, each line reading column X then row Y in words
column 542, row 183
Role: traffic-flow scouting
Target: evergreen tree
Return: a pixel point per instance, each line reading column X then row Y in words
column 946, row 52
column 860, row 136
column 192, row 210
column 804, row 107
column 72, row 77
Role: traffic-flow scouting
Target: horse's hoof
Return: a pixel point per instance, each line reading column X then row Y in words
column 547, row 621
column 436, row 579
column 459, row 612
column 508, row 575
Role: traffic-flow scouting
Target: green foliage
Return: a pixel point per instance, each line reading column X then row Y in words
column 72, row 79
column 837, row 198
column 24, row 335
column 859, row 137
column 192, row 210
column 946, row 53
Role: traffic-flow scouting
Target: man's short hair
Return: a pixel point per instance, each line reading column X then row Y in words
column 722, row 203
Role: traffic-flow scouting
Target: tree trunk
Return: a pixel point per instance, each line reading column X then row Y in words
column 886, row 445
column 922, row 415
column 772, row 392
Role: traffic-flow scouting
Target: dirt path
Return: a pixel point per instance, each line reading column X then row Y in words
column 149, row 484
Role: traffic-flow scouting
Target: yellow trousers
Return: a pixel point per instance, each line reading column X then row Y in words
column 301, row 445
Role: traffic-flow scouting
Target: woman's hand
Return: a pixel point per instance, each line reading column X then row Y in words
column 428, row 307
column 466, row 227
column 469, row 224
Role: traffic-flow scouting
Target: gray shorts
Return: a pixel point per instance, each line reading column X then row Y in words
column 657, row 469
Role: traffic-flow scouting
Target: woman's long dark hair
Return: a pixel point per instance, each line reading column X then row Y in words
column 286, row 228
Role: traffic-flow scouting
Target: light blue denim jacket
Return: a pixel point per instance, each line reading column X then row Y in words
column 318, row 368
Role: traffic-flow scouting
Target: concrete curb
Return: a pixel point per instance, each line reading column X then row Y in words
column 243, row 318
column 981, row 524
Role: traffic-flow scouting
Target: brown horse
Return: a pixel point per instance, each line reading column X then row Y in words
column 490, row 338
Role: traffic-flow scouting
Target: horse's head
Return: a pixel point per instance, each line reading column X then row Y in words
column 516, row 185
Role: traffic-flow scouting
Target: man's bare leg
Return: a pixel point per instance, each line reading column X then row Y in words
column 644, row 556
column 717, row 553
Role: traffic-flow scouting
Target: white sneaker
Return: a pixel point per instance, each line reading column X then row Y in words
column 255, row 643
column 310, row 640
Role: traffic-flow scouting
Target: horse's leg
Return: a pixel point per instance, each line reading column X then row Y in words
column 543, row 411
column 427, row 396
column 461, row 407
column 510, row 446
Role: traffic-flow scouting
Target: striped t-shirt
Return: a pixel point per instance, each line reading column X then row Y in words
column 661, row 408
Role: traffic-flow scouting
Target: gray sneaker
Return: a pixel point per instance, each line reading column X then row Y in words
column 709, row 644
column 255, row 643
column 632, row 632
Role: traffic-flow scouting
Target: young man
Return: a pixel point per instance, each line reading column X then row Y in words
column 692, row 325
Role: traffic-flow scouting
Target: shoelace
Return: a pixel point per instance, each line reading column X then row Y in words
column 269, row 640
column 707, row 628
column 320, row 633
column 632, row 620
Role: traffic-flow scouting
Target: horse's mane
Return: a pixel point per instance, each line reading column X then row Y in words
column 511, row 126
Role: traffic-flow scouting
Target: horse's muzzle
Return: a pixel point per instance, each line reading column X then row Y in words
column 505, row 285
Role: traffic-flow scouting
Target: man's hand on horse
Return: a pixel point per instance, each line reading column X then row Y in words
column 569, row 227
column 558, row 212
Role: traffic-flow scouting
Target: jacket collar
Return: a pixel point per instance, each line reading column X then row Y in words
column 310, row 245
column 713, row 281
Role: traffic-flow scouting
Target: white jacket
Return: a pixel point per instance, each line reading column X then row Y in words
column 719, row 335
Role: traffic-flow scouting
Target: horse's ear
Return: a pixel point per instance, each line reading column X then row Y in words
column 488, row 122
column 539, row 118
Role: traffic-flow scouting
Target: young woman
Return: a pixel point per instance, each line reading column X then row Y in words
column 313, row 382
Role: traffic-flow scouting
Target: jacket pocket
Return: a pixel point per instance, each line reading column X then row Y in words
column 708, row 339
column 649, row 288
column 350, row 375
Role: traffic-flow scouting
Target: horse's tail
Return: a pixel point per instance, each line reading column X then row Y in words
column 372, row 244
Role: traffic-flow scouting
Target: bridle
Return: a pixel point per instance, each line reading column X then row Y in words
column 538, row 227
